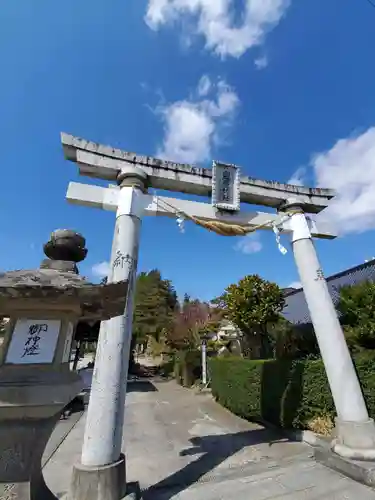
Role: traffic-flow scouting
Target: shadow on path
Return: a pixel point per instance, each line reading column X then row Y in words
column 141, row 386
column 215, row 449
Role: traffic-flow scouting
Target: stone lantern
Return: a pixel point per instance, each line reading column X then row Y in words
column 36, row 383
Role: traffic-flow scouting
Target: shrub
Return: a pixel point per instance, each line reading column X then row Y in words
column 166, row 368
column 187, row 368
column 236, row 384
column 287, row 393
column 321, row 425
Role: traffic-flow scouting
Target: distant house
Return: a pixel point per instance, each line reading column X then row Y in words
column 296, row 310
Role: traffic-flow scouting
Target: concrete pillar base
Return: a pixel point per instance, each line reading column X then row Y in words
column 355, row 440
column 106, row 482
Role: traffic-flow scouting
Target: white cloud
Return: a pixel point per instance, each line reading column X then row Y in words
column 192, row 127
column 204, row 86
column 297, row 178
column 261, row 62
column 349, row 168
column 249, row 244
column 215, row 21
column 101, row 270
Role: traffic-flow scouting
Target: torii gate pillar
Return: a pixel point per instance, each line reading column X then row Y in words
column 101, row 475
column 355, row 431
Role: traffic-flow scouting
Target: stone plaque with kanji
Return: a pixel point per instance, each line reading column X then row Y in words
column 33, row 341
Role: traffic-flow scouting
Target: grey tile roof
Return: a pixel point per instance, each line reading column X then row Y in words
column 50, row 286
column 296, row 310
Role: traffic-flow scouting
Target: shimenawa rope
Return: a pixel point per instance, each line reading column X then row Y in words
column 225, row 228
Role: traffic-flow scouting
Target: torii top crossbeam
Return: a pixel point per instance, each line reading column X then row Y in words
column 104, row 162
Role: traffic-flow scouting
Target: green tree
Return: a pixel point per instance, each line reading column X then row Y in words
column 356, row 307
column 293, row 341
column 186, row 298
column 253, row 305
column 154, row 306
column 155, row 303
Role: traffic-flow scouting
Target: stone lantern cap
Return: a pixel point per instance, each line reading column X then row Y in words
column 57, row 284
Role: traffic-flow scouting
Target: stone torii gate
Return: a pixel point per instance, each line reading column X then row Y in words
column 134, row 174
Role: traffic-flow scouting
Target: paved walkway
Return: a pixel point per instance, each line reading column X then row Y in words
column 183, row 446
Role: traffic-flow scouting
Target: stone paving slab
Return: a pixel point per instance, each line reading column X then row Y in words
column 280, row 487
column 60, row 432
column 58, row 470
column 172, row 436
column 361, row 471
column 180, row 446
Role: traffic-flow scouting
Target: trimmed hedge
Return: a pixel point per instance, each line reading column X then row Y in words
column 286, row 393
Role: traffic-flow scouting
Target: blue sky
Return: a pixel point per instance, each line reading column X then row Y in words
column 283, row 89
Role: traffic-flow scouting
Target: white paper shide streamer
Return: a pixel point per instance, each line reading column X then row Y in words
column 180, row 222
column 281, row 248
